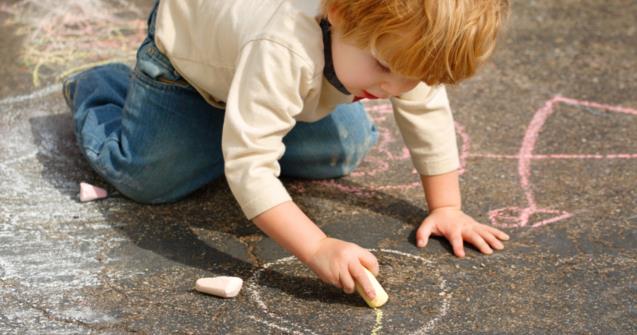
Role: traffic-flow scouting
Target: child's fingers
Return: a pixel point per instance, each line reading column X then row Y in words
column 455, row 238
column 336, row 282
column 369, row 261
column 477, row 241
column 423, row 233
column 346, row 280
column 491, row 239
column 498, row 233
column 361, row 278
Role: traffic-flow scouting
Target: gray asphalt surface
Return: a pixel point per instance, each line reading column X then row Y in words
column 548, row 136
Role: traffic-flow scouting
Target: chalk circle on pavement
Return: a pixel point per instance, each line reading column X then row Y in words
column 292, row 299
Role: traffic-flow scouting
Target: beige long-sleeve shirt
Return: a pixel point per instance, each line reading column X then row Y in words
column 263, row 60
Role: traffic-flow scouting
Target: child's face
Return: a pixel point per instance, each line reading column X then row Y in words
column 363, row 74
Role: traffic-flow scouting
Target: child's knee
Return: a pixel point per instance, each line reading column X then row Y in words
column 332, row 147
column 138, row 183
column 165, row 181
column 147, row 187
column 143, row 196
column 355, row 148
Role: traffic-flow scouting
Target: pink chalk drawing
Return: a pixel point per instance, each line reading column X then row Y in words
column 382, row 157
column 518, row 216
column 381, row 160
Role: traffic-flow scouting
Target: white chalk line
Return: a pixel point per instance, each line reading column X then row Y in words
column 443, row 287
column 35, row 95
column 443, row 311
column 20, row 184
column 17, row 184
column 5, row 164
column 55, row 256
column 275, row 326
column 257, row 297
column 253, row 290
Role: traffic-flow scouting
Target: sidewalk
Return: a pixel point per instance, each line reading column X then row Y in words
column 548, row 140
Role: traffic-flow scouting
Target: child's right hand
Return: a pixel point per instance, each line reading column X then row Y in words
column 341, row 264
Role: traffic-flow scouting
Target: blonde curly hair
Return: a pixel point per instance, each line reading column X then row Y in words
column 435, row 41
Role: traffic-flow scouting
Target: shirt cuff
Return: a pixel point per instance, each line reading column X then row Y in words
column 437, row 167
column 259, row 198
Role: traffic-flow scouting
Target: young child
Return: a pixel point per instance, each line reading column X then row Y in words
column 255, row 89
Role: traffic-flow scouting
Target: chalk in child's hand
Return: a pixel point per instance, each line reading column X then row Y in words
column 223, row 286
column 381, row 296
column 89, row 192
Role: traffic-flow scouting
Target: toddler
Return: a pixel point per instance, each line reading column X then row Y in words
column 255, row 89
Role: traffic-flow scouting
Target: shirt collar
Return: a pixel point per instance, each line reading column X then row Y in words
column 328, row 70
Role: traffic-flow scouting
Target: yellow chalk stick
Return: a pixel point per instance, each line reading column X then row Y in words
column 381, row 296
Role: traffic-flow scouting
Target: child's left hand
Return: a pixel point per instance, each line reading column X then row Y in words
column 456, row 226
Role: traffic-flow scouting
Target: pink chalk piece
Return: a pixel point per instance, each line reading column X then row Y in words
column 222, row 286
column 90, row 192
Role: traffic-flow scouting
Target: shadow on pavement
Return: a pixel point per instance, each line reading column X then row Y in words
column 167, row 230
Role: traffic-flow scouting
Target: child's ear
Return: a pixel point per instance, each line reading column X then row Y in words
column 333, row 16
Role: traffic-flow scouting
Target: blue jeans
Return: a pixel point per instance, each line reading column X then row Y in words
column 155, row 139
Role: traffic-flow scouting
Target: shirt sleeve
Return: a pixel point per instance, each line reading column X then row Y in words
column 265, row 95
column 426, row 124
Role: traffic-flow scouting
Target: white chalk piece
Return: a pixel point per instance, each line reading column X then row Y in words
column 223, row 286
column 381, row 296
column 90, row 192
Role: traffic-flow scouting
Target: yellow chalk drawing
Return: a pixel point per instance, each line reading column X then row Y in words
column 62, row 36
column 379, row 321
